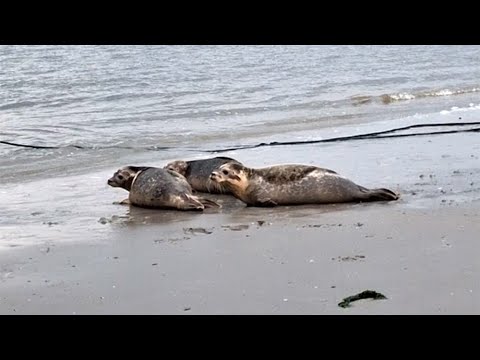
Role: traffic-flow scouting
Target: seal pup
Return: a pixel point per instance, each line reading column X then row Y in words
column 152, row 187
column 197, row 173
column 293, row 185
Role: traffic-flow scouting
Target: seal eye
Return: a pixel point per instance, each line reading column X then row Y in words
column 120, row 177
column 225, row 172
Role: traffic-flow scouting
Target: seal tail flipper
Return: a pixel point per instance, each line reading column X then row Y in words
column 381, row 194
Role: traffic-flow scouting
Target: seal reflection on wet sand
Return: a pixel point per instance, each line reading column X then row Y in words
column 152, row 187
column 294, row 185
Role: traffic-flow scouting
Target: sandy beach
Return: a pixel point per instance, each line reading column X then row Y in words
column 422, row 261
column 401, row 117
column 89, row 255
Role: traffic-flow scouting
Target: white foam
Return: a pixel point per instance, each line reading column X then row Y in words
column 402, row 96
column 471, row 107
column 445, row 92
column 448, row 92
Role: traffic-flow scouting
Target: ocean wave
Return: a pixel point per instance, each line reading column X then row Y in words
column 405, row 96
column 388, row 98
column 17, row 105
column 397, row 97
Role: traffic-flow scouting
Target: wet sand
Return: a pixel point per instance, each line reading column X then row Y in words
column 91, row 256
column 423, row 261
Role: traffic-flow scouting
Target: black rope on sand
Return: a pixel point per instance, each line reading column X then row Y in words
column 34, row 146
column 373, row 135
column 155, row 148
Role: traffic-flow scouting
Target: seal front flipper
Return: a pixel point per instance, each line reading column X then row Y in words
column 265, row 203
column 208, row 203
column 125, row 202
column 189, row 202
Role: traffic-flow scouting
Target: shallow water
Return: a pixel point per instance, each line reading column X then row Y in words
column 119, row 101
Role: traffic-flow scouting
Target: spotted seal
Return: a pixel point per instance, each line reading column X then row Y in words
column 293, row 185
column 152, row 187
